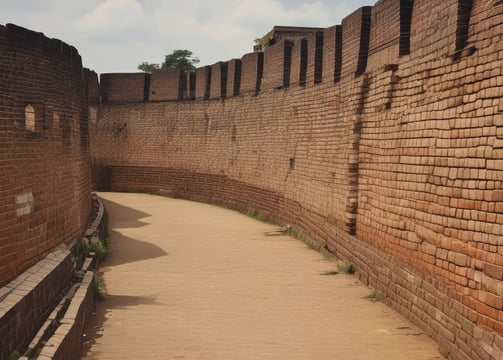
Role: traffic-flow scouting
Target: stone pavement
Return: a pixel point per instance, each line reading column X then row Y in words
column 192, row 281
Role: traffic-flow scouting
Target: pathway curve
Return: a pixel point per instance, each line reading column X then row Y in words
column 193, row 281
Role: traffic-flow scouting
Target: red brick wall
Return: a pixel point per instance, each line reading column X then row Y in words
column 167, row 85
column 251, row 72
column 218, row 84
column 45, row 189
column 233, row 85
column 332, row 53
column 355, row 41
column 203, row 83
column 397, row 170
column 121, row 87
column 277, row 65
column 385, row 33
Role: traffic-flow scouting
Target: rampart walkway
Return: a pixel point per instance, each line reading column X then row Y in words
column 191, row 281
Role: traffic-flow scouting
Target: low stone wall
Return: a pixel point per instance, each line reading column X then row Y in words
column 67, row 339
column 27, row 302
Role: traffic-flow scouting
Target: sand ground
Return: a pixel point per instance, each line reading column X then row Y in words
column 192, row 281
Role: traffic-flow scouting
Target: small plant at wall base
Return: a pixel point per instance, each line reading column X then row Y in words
column 99, row 286
column 346, row 269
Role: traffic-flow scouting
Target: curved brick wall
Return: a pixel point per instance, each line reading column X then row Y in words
column 382, row 138
column 45, row 187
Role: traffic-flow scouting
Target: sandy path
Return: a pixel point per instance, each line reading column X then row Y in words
column 192, row 281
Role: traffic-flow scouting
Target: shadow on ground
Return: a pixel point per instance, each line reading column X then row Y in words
column 129, row 218
column 127, row 249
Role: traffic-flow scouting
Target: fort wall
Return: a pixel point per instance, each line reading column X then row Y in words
column 47, row 100
column 45, row 186
column 389, row 154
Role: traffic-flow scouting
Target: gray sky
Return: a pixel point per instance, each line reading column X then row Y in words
column 117, row 35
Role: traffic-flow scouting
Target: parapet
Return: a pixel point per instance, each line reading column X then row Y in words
column 203, row 83
column 332, row 54
column 22, row 38
column 277, row 65
column 389, row 32
column 218, row 82
column 252, row 67
column 167, row 85
column 233, row 77
column 298, row 71
column 124, row 87
column 355, row 41
column 369, row 39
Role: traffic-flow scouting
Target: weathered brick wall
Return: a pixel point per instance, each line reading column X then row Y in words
column 45, row 187
column 233, row 85
column 218, row 83
column 392, row 161
column 252, row 66
column 167, row 85
column 121, row 87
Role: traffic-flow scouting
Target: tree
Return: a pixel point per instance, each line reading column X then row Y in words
column 178, row 59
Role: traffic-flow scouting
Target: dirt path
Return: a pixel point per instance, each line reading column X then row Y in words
column 191, row 281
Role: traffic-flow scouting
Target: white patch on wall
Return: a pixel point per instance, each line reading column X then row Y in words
column 55, row 120
column 24, row 204
column 93, row 114
column 29, row 118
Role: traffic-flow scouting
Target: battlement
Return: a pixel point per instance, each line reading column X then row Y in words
column 368, row 39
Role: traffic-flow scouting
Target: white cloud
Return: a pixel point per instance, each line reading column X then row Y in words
column 113, row 18
column 117, row 35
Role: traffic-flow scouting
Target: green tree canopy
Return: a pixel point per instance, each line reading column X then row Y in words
column 178, row 59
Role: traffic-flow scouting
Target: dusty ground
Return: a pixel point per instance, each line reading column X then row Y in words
column 191, row 281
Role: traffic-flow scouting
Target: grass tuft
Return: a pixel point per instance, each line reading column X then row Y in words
column 346, row 269
column 99, row 286
column 374, row 296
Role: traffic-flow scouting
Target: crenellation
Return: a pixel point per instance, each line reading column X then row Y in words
column 167, row 85
column 233, row 85
column 218, row 82
column 355, row 41
column 277, row 65
column 252, row 67
column 203, row 83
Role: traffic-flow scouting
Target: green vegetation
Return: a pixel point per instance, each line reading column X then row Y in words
column 374, row 296
column 99, row 286
column 178, row 59
column 101, row 248
column 257, row 215
column 346, row 269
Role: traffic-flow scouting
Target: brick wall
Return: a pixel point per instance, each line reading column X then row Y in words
column 252, row 66
column 395, row 165
column 121, row 87
column 277, row 65
column 233, row 85
column 203, row 83
column 167, row 85
column 45, row 188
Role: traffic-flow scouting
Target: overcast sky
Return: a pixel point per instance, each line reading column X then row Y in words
column 117, row 35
